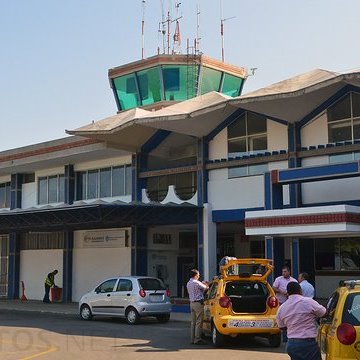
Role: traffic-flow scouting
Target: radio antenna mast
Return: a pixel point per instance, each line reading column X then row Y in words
column 143, row 30
column 198, row 38
column 222, row 30
column 162, row 26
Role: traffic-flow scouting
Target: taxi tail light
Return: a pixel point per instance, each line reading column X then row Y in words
column 273, row 302
column 167, row 292
column 225, row 301
column 346, row 334
column 142, row 293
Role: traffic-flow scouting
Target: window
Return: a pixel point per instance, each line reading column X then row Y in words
column 248, row 170
column 210, row 80
column 106, row 182
column 247, row 134
column 151, row 284
column 124, row 285
column 351, row 314
column 5, row 195
column 51, row 189
column 338, row 158
column 337, row 254
column 107, row 286
column 231, row 85
column 42, row 240
column 212, row 292
column 344, row 119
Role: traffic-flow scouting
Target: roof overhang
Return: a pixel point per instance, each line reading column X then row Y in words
column 98, row 214
column 319, row 221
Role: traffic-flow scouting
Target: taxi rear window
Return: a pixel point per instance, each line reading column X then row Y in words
column 351, row 313
column 246, row 270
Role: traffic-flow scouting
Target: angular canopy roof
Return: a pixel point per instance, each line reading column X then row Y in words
column 289, row 100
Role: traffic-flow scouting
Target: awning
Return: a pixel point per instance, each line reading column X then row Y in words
column 319, row 221
column 98, row 214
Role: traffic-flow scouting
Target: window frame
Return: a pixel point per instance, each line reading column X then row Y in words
column 60, row 196
column 7, row 195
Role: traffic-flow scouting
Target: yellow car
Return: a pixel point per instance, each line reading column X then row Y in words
column 339, row 334
column 240, row 301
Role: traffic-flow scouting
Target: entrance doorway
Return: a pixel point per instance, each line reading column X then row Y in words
column 4, row 264
column 184, row 265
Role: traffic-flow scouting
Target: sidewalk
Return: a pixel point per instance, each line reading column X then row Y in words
column 63, row 308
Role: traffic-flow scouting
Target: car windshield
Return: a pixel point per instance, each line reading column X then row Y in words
column 151, row 284
column 351, row 314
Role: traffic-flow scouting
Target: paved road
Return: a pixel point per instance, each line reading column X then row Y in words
column 25, row 336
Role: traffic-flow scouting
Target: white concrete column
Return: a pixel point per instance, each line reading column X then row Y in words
column 209, row 244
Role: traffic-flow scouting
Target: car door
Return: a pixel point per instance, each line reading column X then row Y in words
column 122, row 296
column 101, row 302
column 210, row 306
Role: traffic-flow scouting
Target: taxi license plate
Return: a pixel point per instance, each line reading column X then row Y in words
column 250, row 323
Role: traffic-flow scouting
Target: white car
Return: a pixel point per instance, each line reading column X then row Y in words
column 130, row 297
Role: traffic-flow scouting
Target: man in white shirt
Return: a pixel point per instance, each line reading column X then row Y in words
column 306, row 288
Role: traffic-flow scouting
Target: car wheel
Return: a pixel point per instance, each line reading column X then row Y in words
column 217, row 338
column 275, row 340
column 85, row 312
column 132, row 316
column 163, row 318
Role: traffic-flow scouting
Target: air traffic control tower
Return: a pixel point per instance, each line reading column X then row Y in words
column 163, row 80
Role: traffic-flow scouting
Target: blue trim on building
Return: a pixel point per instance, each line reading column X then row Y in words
column 138, row 251
column 200, row 239
column 155, row 140
column 343, row 91
column 228, row 121
column 233, row 215
column 14, row 266
column 295, row 258
column 319, row 173
column 69, row 188
column 267, row 191
column 279, row 255
column 68, row 266
column 269, row 254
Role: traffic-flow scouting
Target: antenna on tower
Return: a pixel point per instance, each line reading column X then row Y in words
column 177, row 36
column 198, row 38
column 222, row 30
column 143, row 30
column 162, row 26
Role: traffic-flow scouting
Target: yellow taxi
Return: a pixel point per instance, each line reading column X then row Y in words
column 240, row 301
column 339, row 333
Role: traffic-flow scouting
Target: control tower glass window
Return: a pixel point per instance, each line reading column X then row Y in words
column 150, row 86
column 231, row 85
column 179, row 82
column 127, row 91
column 210, row 80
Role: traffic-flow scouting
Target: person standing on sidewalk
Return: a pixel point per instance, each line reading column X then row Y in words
column 196, row 291
column 49, row 283
column 306, row 288
column 298, row 314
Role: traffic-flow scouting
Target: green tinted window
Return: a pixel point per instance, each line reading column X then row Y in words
column 210, row 80
column 150, row 86
column 231, row 85
column 127, row 91
column 179, row 81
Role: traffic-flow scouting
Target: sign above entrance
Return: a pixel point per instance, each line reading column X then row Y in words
column 108, row 239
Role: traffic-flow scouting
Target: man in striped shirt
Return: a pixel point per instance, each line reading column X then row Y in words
column 196, row 291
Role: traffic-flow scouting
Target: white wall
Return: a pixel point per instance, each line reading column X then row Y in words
column 92, row 265
column 218, row 146
column 225, row 194
column 115, row 161
column 315, row 132
column 277, row 136
column 34, row 267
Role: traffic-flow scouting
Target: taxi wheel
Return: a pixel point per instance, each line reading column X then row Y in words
column 132, row 316
column 275, row 340
column 217, row 338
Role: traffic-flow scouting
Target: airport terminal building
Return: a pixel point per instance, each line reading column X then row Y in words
column 189, row 170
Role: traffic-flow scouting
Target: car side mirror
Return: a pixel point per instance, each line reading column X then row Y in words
column 97, row 290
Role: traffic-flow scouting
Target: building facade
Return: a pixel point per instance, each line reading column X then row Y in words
column 186, row 172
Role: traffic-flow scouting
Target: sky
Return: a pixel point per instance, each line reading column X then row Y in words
column 55, row 55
